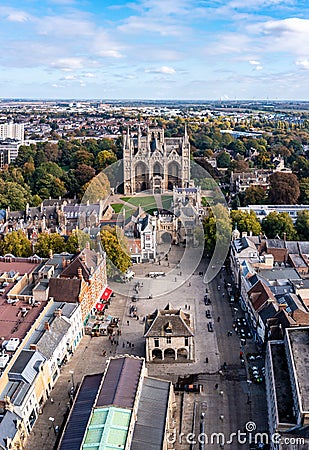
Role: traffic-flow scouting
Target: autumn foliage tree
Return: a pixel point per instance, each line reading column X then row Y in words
column 284, row 189
column 114, row 245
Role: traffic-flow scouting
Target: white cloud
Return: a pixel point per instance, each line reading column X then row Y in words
column 14, row 15
column 164, row 69
column 304, row 63
column 68, row 64
column 89, row 75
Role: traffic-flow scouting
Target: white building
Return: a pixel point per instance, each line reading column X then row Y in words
column 263, row 210
column 12, row 130
column 287, row 389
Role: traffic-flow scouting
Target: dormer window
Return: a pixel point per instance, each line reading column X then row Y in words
column 168, row 328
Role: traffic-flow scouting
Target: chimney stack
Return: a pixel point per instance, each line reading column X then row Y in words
column 58, row 312
column 46, row 326
column 50, row 253
column 80, row 273
column 64, row 263
column 282, row 306
column 88, row 245
column 33, row 347
column 284, row 236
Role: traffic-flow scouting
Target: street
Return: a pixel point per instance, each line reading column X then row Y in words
column 228, row 401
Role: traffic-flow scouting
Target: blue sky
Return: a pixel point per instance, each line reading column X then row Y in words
column 155, row 49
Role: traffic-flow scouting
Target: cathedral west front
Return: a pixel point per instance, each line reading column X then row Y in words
column 153, row 162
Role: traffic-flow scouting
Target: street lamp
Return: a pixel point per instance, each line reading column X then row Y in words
column 72, row 378
column 52, row 420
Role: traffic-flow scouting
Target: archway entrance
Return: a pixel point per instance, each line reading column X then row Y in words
column 156, row 354
column 169, row 354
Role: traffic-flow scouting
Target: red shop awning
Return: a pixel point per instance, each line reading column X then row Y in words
column 100, row 306
column 106, row 294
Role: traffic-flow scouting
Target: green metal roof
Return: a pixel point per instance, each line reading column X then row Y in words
column 108, row 429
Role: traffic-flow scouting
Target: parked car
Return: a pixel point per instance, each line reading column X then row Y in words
column 208, row 314
column 210, row 326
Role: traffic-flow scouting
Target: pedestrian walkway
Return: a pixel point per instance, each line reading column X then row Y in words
column 87, row 359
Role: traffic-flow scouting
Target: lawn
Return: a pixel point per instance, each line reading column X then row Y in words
column 147, row 202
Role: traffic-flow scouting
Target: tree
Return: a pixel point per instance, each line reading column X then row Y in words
column 83, row 174
column 16, row 243
column 96, row 189
column 217, row 228
column 255, row 195
column 115, row 248
column 304, row 191
column 77, row 240
column 223, row 160
column 276, row 224
column 104, row 159
column 49, row 242
column 302, row 225
column 284, row 189
column 246, row 221
column 14, row 195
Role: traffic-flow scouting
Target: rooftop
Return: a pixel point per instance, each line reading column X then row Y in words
column 80, row 413
column 120, row 382
column 283, row 389
column 108, row 429
column 151, row 415
column 299, row 343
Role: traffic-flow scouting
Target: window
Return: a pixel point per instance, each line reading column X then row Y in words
column 156, row 342
column 168, row 340
column 186, row 341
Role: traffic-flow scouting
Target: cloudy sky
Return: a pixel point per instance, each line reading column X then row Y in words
column 155, row 49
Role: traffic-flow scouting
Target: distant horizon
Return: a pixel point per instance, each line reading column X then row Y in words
column 157, row 49
column 149, row 100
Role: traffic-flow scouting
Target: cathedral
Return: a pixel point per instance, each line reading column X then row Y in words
column 155, row 163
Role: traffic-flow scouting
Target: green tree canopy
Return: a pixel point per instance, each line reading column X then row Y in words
column 223, row 160
column 14, row 195
column 276, row 224
column 302, row 225
column 304, row 191
column 115, row 248
column 255, row 195
column 246, row 221
column 16, row 243
column 77, row 241
column 217, row 228
column 49, row 242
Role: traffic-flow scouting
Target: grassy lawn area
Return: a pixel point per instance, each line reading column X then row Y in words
column 167, row 201
column 145, row 202
column 118, row 207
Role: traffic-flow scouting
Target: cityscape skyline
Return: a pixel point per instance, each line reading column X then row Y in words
column 151, row 49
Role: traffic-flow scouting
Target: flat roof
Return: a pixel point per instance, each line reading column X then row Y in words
column 13, row 322
column 299, row 343
column 77, row 423
column 283, row 387
column 149, row 429
column 120, row 382
column 108, row 429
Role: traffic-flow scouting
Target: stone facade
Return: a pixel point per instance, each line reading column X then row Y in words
column 169, row 336
column 154, row 162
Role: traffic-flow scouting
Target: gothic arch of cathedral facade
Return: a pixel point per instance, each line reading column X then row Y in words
column 155, row 163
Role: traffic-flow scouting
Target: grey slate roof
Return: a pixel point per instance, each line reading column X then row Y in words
column 8, row 427
column 151, row 415
column 162, row 320
column 26, row 366
column 51, row 338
